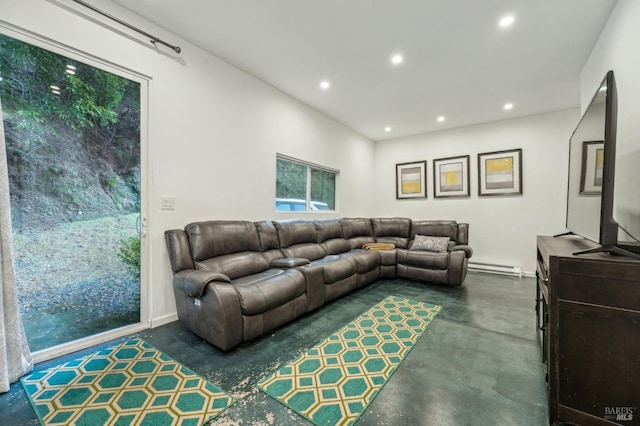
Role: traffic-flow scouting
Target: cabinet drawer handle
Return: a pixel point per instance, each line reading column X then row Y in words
column 542, row 275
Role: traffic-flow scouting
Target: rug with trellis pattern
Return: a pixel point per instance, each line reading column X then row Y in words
column 132, row 383
column 334, row 381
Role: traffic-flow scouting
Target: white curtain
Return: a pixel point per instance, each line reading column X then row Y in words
column 15, row 356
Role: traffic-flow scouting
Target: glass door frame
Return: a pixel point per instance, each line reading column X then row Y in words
column 145, row 175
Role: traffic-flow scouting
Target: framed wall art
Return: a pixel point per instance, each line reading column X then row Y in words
column 592, row 166
column 500, row 173
column 451, row 177
column 411, row 180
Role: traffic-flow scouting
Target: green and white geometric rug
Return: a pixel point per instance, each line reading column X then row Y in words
column 129, row 384
column 333, row 382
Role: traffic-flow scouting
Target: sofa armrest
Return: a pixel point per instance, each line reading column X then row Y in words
column 289, row 262
column 457, row 270
column 463, row 233
column 462, row 247
column 193, row 282
column 209, row 306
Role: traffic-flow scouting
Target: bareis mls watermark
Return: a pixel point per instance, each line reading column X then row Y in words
column 624, row 414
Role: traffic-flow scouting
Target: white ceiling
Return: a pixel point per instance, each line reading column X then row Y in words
column 457, row 61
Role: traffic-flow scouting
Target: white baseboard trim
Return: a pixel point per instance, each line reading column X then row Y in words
column 165, row 319
column 494, row 268
column 80, row 344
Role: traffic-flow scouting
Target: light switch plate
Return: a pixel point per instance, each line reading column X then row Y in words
column 168, row 203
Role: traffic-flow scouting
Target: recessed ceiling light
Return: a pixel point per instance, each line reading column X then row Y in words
column 387, row 129
column 324, row 85
column 441, row 118
column 397, row 59
column 506, row 21
column 508, row 106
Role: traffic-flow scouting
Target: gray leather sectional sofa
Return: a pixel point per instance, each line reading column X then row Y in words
column 237, row 280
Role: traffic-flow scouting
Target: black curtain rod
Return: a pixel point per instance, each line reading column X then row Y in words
column 153, row 38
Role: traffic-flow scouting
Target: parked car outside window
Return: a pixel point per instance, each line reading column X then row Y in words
column 298, row 205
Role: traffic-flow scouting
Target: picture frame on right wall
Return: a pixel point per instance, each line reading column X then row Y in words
column 500, row 173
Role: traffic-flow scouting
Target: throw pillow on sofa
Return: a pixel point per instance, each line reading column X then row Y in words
column 428, row 243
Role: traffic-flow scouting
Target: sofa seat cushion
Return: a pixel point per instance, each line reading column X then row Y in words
column 289, row 262
column 337, row 267
column 388, row 257
column 267, row 290
column 366, row 260
column 423, row 259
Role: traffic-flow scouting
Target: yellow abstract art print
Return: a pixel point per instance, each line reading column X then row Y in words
column 500, row 173
column 411, row 180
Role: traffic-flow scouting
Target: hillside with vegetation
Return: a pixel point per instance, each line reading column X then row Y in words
column 72, row 137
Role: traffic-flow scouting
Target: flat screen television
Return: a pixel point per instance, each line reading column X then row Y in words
column 592, row 162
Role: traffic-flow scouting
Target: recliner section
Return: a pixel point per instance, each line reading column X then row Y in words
column 237, row 280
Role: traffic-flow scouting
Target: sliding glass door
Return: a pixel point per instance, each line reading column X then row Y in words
column 73, row 137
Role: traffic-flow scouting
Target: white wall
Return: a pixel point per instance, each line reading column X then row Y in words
column 213, row 134
column 502, row 229
column 617, row 50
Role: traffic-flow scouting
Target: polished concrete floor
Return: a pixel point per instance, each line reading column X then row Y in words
column 478, row 363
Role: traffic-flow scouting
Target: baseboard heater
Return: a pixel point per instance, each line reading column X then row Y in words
column 493, row 268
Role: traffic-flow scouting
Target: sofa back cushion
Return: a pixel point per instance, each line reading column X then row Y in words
column 392, row 230
column 219, row 237
column 267, row 235
column 435, row 228
column 269, row 243
column 328, row 229
column 335, row 246
column 299, row 238
column 294, row 231
column 330, row 236
column 311, row 251
column 179, row 250
column 229, row 247
column 357, row 230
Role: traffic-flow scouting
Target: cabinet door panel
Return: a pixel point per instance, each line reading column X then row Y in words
column 599, row 358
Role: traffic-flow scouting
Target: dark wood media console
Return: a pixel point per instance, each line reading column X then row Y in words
column 588, row 320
